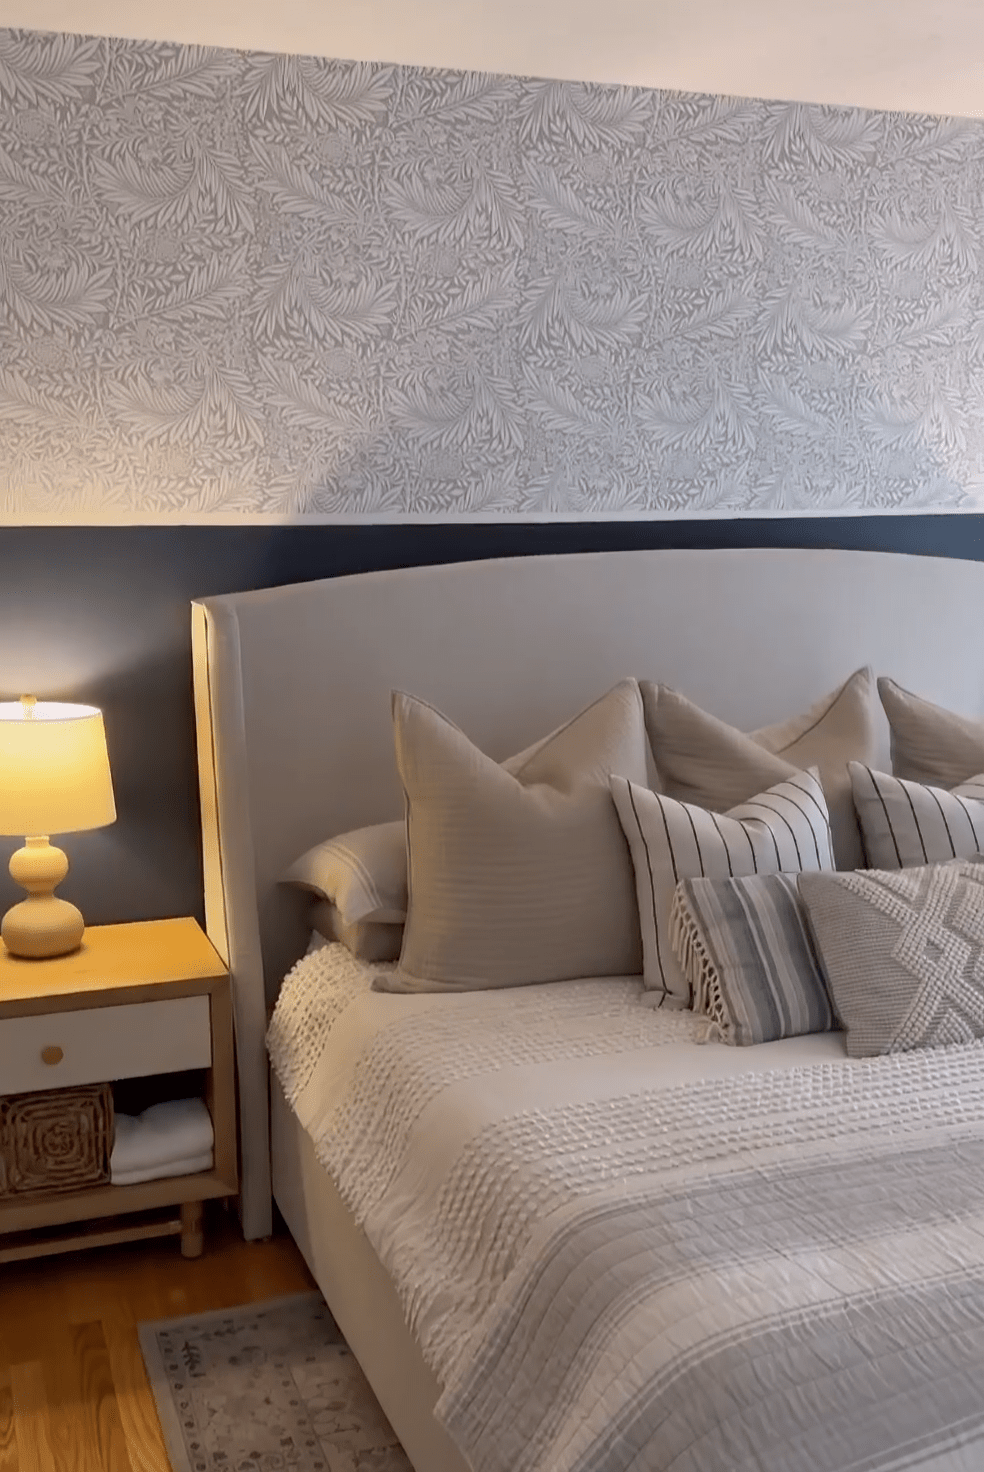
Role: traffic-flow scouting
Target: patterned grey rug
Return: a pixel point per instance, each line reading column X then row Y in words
column 270, row 1387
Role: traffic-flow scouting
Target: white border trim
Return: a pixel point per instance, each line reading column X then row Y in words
column 478, row 518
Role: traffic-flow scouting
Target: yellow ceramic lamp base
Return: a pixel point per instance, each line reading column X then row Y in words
column 41, row 925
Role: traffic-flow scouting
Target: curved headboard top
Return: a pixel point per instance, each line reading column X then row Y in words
column 292, row 691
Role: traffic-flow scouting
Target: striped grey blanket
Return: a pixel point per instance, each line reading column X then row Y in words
column 614, row 1266
column 809, row 1314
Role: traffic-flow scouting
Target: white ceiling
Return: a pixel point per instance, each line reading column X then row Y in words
column 915, row 55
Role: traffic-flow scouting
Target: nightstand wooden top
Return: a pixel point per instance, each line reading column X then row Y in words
column 114, row 957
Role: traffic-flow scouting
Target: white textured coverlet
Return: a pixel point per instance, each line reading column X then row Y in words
column 614, row 1263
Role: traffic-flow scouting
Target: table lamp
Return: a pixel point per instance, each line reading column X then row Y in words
column 54, row 778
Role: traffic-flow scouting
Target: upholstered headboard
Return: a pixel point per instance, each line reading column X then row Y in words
column 292, row 690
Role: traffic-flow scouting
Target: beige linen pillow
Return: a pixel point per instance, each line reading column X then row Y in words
column 930, row 744
column 703, row 760
column 517, row 877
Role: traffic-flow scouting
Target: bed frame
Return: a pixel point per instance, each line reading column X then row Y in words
column 292, row 690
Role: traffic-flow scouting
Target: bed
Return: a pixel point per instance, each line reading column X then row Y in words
column 293, row 701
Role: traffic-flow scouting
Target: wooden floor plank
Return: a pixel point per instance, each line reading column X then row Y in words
column 71, row 1450
column 31, row 1427
column 28, row 1303
column 100, row 1412
column 134, row 1397
column 9, row 1461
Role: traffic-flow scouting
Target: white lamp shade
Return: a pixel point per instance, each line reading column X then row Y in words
column 54, row 769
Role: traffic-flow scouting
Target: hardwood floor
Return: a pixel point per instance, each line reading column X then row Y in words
column 73, row 1393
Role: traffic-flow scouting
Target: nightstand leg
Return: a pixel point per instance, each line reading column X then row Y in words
column 192, row 1238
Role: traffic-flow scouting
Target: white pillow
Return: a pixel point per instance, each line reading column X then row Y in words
column 782, row 830
column 363, row 873
column 368, row 940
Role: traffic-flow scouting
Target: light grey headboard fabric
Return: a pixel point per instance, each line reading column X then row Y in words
column 292, row 692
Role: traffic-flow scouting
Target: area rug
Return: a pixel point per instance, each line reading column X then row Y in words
column 269, row 1387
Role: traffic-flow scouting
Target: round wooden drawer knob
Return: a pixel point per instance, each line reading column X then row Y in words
column 52, row 1055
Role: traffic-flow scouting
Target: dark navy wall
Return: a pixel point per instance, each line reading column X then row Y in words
column 101, row 615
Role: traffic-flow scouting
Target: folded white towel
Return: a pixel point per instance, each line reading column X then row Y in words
column 163, row 1135
column 188, row 1167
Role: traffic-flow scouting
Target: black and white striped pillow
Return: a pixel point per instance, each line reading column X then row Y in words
column 784, row 829
column 907, row 824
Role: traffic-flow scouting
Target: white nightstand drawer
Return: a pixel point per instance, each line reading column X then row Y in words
column 98, row 1044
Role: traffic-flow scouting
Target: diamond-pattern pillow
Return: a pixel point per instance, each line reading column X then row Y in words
column 902, row 952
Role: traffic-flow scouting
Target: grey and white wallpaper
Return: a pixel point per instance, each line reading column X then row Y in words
column 239, row 283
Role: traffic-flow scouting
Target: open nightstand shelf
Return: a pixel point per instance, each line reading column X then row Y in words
column 149, row 998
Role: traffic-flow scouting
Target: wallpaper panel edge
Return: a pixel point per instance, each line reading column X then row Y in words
column 291, row 288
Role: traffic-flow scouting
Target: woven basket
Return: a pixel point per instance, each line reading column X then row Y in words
column 55, row 1140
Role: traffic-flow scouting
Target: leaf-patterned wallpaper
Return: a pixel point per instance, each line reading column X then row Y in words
column 233, row 282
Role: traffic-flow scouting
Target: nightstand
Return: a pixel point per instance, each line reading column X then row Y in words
column 150, row 998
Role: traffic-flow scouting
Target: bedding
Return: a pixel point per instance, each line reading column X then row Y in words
column 910, row 823
column 783, row 828
column 360, row 878
column 706, row 762
column 620, row 1247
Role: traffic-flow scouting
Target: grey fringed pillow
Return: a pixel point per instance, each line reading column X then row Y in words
column 902, row 952
column 744, row 946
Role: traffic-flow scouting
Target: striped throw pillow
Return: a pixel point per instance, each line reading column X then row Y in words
column 784, row 829
column 744, row 946
column 906, row 824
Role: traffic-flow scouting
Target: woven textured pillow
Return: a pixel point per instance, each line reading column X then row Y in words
column 930, row 744
column 902, row 952
column 517, row 874
column 703, row 760
column 744, row 946
column 909, row 823
column 783, row 829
